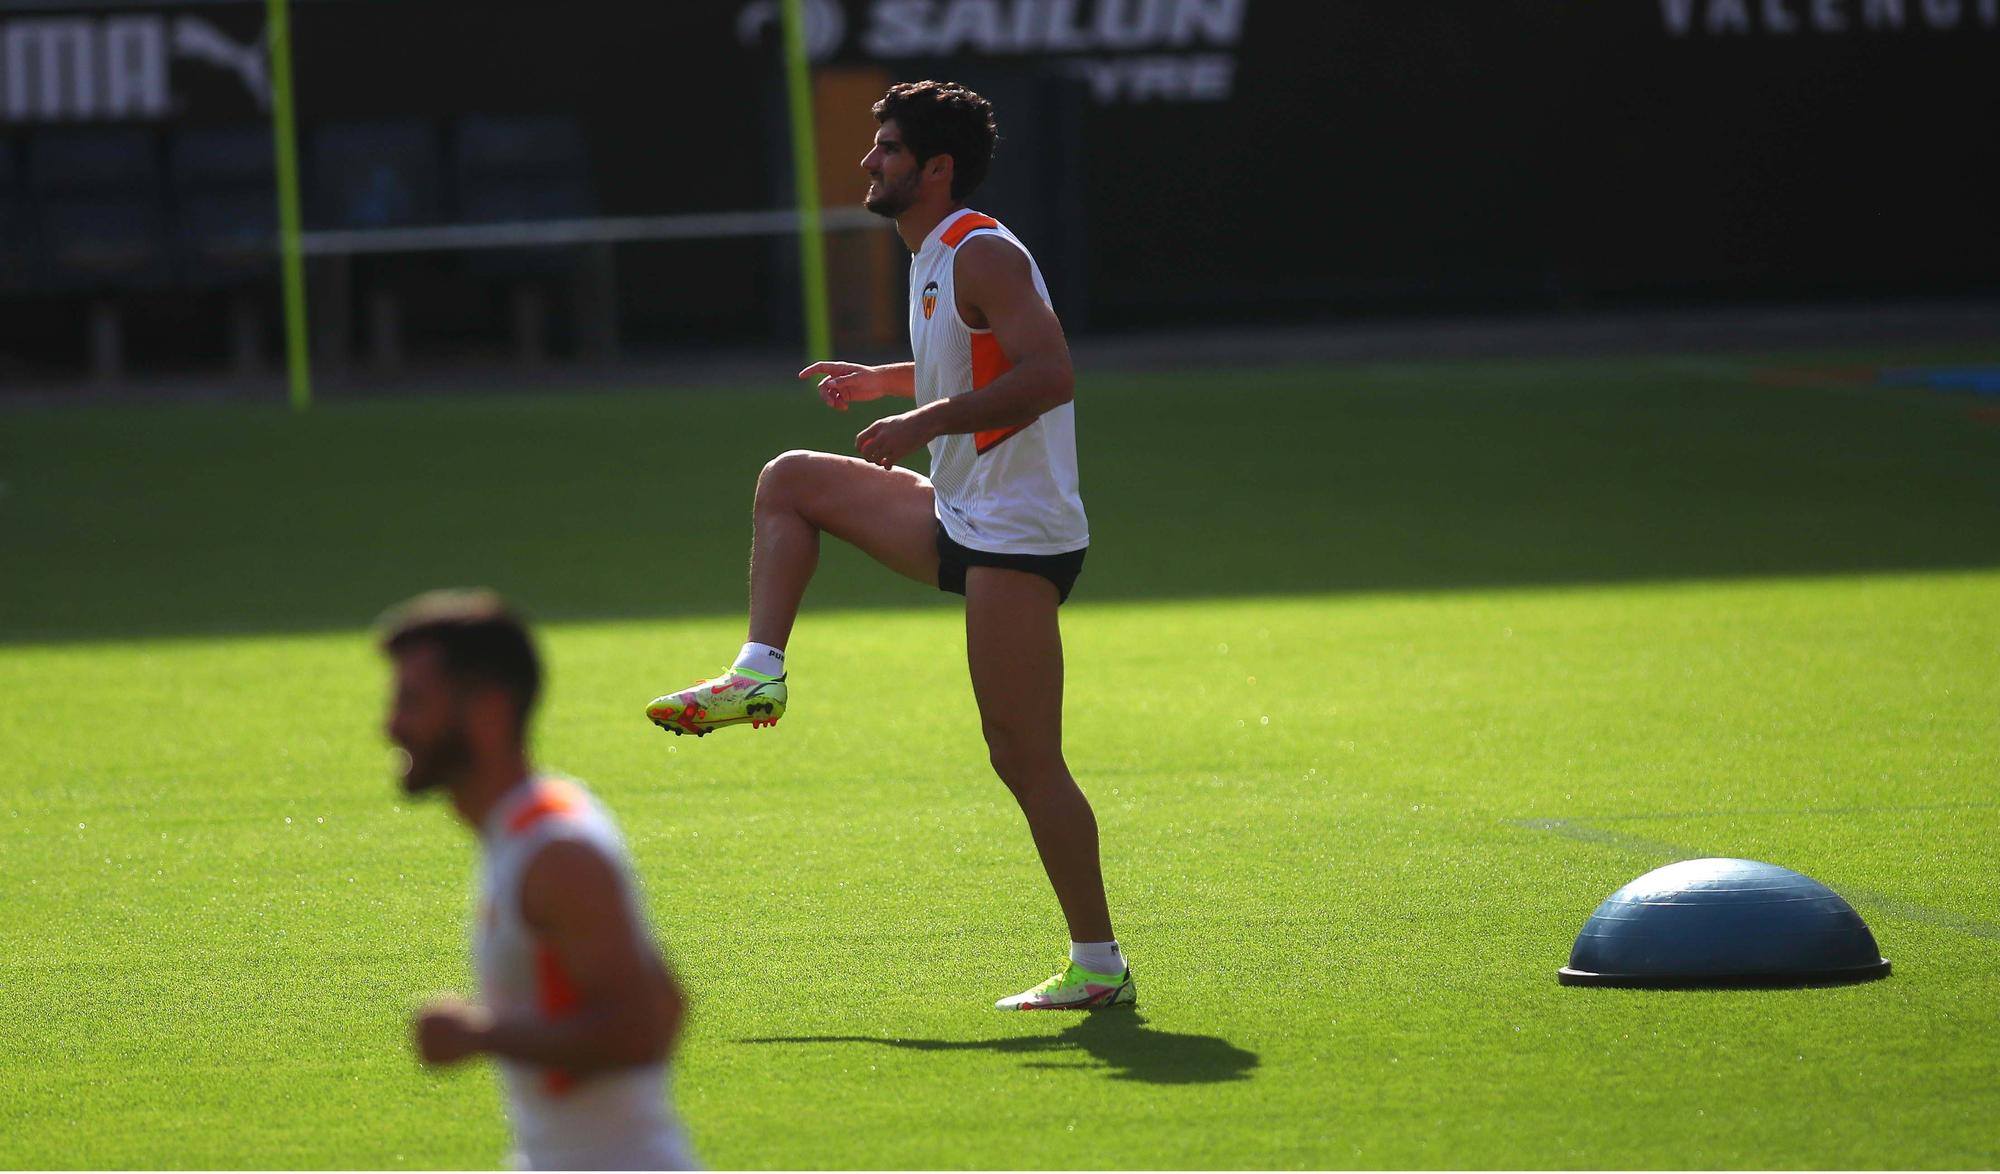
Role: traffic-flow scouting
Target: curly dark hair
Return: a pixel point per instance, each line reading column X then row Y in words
column 944, row 118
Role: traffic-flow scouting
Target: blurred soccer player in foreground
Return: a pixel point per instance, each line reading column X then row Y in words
column 999, row 520
column 576, row 1003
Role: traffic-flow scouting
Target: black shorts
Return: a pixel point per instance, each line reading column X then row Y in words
column 953, row 559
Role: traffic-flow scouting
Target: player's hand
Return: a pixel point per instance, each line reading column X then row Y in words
column 842, row 384
column 892, row 438
column 449, row 1030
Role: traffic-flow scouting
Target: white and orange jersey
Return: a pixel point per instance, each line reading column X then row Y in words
column 1012, row 490
column 612, row 1120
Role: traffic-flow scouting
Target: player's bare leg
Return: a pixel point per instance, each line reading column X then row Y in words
column 1014, row 648
column 887, row 513
column 1013, row 645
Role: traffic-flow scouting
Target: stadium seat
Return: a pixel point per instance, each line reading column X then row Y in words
column 16, row 256
column 510, row 169
column 102, row 216
column 103, row 226
column 225, row 187
column 545, row 153
column 379, row 174
column 375, row 174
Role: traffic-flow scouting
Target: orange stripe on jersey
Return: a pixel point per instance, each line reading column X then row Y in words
column 555, row 991
column 550, row 799
column 985, row 441
column 966, row 226
column 556, row 996
column 989, row 362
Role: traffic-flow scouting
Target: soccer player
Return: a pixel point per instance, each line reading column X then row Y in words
column 999, row 519
column 575, row 1002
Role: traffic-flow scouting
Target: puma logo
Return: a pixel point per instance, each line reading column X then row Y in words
column 202, row 41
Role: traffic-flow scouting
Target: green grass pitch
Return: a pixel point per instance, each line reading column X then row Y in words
column 1381, row 676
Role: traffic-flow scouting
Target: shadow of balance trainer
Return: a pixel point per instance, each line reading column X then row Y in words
column 1119, row 1040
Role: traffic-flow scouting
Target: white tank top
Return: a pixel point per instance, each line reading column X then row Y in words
column 609, row 1121
column 1009, row 491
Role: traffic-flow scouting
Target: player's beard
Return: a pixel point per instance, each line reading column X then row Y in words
column 893, row 201
column 438, row 764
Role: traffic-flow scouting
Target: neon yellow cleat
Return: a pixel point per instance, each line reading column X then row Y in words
column 1075, row 989
column 731, row 698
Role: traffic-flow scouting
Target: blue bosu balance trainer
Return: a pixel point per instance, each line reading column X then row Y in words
column 1723, row 923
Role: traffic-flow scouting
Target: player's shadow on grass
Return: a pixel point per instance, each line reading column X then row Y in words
column 1118, row 1040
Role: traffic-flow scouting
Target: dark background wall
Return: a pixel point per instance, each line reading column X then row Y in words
column 1173, row 161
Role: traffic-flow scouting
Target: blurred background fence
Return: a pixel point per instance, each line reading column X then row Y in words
column 563, row 184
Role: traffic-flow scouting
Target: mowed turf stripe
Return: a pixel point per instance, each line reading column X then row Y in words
column 1662, row 852
column 1364, row 477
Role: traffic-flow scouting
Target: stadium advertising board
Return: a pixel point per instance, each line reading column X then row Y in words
column 1783, row 18
column 140, row 66
column 1135, row 51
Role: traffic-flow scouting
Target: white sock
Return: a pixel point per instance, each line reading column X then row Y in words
column 1098, row 957
column 761, row 658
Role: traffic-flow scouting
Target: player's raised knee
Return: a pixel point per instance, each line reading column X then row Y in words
column 784, row 476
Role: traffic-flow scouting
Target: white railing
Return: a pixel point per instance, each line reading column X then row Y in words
column 594, row 230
